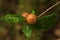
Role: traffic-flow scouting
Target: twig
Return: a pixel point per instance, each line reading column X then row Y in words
column 48, row 9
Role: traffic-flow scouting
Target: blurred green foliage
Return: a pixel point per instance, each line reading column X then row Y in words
column 2, row 28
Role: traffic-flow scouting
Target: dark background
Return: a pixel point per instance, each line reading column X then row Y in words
column 19, row 6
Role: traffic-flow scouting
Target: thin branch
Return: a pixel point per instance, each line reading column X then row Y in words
column 48, row 9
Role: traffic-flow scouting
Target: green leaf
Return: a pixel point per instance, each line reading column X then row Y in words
column 12, row 18
column 33, row 12
column 46, row 22
column 27, row 30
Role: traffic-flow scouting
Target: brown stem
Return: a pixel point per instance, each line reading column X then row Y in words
column 48, row 9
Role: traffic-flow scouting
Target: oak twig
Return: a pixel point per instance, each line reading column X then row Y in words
column 48, row 9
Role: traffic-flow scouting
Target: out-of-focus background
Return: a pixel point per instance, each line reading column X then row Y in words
column 20, row 6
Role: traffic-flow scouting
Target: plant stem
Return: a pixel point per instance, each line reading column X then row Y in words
column 48, row 9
